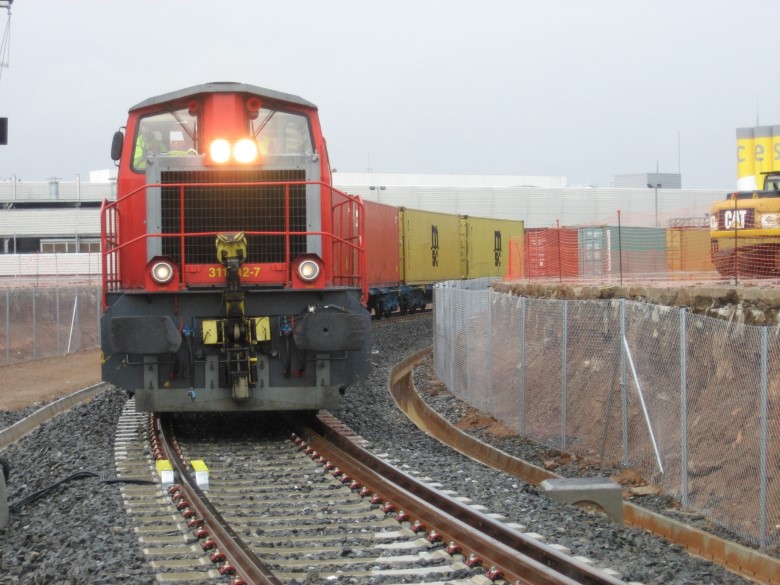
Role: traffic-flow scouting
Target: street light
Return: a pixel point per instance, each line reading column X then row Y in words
column 655, row 188
column 377, row 188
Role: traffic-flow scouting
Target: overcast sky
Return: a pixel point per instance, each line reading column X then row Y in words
column 583, row 89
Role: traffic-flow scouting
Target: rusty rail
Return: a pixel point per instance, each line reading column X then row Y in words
column 246, row 564
column 493, row 544
column 739, row 559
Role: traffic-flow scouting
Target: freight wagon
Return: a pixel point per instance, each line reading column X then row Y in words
column 409, row 250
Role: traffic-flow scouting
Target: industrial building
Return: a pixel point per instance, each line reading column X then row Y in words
column 54, row 219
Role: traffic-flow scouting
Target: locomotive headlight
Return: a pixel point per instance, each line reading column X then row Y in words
column 245, row 150
column 162, row 272
column 308, row 270
column 242, row 151
column 219, row 150
column 770, row 220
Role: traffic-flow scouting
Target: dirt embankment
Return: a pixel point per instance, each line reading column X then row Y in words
column 748, row 304
column 722, row 383
column 28, row 383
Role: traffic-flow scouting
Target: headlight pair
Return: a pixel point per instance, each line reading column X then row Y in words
column 242, row 151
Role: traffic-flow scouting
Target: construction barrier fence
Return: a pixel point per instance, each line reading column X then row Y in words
column 612, row 253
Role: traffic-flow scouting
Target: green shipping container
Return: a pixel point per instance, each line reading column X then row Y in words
column 641, row 250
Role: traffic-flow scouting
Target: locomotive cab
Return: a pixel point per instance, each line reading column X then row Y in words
column 233, row 272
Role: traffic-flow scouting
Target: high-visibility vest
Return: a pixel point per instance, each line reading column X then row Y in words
column 142, row 149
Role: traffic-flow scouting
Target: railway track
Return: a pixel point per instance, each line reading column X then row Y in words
column 174, row 543
column 316, row 507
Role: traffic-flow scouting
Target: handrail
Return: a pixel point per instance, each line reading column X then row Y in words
column 143, row 188
column 110, row 248
column 107, row 276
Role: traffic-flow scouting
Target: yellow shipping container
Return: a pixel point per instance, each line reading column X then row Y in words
column 430, row 246
column 485, row 245
column 688, row 250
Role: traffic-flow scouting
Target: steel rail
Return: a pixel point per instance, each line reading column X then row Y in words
column 25, row 426
column 497, row 546
column 744, row 561
column 238, row 554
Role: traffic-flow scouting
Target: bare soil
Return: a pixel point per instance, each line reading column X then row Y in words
column 29, row 383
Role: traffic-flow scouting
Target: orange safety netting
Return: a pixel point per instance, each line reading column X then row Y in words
column 671, row 246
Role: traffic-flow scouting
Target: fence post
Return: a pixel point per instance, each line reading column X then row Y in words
column 34, row 325
column 620, row 250
column 468, row 347
column 453, row 336
column 7, row 326
column 57, row 299
column 624, row 379
column 736, row 242
column 564, row 373
column 683, row 410
column 490, row 351
column 560, row 260
column 522, row 367
column 764, row 436
column 98, row 306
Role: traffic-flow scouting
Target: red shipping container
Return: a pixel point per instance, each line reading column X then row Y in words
column 382, row 244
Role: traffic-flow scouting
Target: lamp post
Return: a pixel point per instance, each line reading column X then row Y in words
column 655, row 188
column 378, row 189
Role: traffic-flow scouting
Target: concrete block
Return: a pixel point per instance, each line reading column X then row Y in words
column 599, row 491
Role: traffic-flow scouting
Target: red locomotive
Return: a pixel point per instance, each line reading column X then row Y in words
column 234, row 275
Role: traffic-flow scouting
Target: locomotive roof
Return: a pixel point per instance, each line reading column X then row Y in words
column 223, row 87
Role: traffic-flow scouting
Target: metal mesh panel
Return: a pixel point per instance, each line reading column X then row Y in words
column 476, row 354
column 769, row 486
column 443, row 336
column 652, row 340
column 593, row 377
column 506, row 359
column 543, row 367
column 232, row 208
column 724, row 406
column 45, row 322
column 692, row 403
column 22, row 327
column 460, row 345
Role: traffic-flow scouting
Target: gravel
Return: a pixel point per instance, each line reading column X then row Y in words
column 370, row 411
column 79, row 532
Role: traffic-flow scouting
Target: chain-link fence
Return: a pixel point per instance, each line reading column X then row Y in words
column 45, row 322
column 691, row 402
